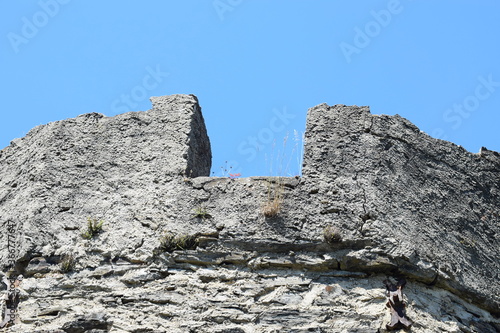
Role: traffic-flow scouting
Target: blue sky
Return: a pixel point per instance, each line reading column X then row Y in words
column 256, row 66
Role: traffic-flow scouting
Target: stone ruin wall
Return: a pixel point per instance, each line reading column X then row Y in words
column 403, row 204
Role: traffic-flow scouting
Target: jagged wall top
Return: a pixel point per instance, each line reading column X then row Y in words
column 428, row 203
column 406, row 203
column 170, row 137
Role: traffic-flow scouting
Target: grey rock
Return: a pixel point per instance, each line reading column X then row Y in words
column 37, row 265
column 95, row 323
column 405, row 205
column 139, row 276
column 436, row 200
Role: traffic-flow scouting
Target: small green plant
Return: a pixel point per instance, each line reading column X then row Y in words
column 171, row 242
column 67, row 263
column 201, row 212
column 94, row 227
column 331, row 235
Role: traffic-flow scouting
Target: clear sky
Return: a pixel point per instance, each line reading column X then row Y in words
column 255, row 65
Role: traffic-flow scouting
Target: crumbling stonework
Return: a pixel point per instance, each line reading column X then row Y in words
column 405, row 204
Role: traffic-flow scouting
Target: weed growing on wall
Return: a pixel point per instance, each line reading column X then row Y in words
column 171, row 242
column 67, row 263
column 331, row 235
column 298, row 148
column 274, row 201
column 201, row 212
column 94, row 227
column 279, row 167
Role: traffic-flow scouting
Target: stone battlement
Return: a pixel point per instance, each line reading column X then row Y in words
column 403, row 204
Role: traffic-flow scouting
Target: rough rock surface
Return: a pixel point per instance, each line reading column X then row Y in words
column 427, row 207
column 404, row 204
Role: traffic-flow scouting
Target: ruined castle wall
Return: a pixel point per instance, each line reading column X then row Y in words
column 403, row 205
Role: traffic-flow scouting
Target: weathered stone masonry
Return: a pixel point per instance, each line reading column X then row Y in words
column 406, row 205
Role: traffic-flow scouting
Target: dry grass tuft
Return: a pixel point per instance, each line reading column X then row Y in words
column 170, row 242
column 68, row 263
column 274, row 202
column 331, row 235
